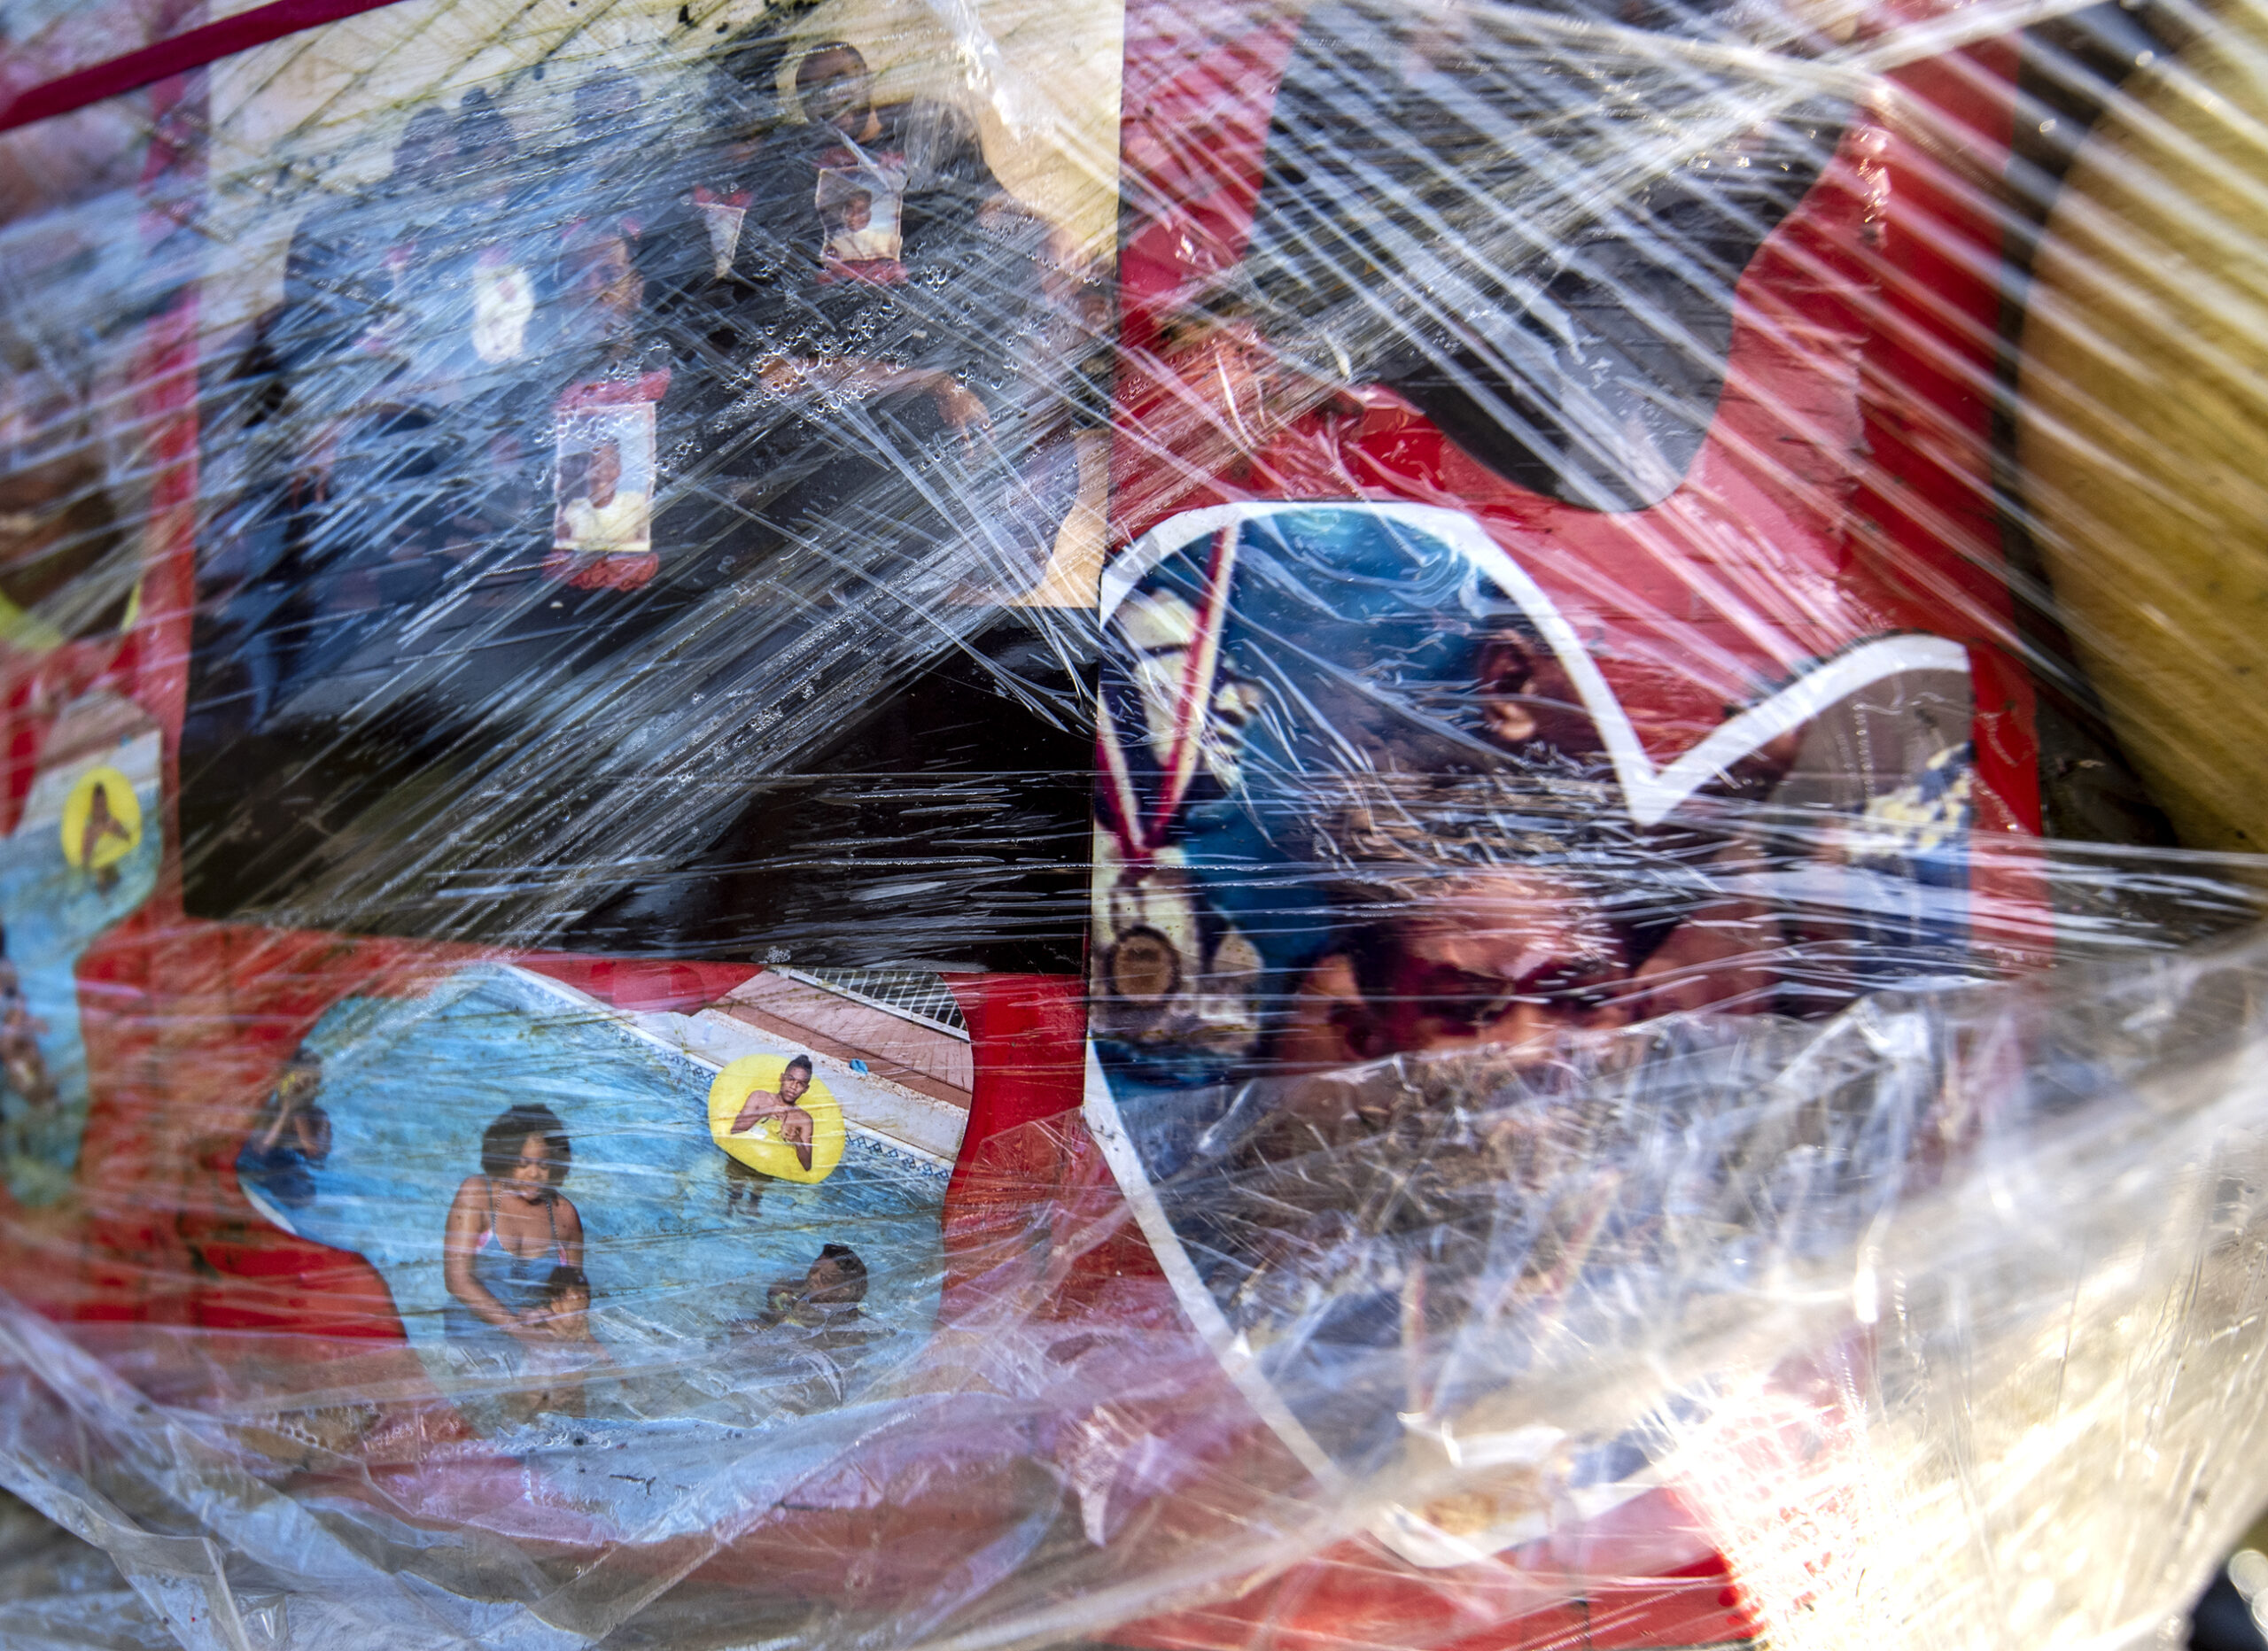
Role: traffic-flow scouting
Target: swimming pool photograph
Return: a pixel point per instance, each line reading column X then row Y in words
column 600, row 1221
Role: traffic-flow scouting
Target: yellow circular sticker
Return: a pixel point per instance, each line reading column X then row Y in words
column 102, row 820
column 763, row 1145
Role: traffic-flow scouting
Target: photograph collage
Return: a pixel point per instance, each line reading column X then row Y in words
column 1103, row 824
column 654, row 498
column 550, row 403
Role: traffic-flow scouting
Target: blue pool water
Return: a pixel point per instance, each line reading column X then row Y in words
column 52, row 913
column 410, row 1086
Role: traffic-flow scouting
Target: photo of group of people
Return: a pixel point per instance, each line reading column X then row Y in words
column 1385, row 871
column 565, row 1234
column 704, row 409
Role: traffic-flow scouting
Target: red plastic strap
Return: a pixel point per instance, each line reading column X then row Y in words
column 192, row 48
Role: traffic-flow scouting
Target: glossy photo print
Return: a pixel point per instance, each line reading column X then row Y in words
column 1541, row 692
column 626, row 401
column 603, row 532
column 1395, row 849
column 722, row 1220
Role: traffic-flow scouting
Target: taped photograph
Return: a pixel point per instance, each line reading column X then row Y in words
column 585, row 398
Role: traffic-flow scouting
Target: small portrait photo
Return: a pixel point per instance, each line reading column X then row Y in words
column 858, row 211
column 503, row 303
column 606, row 481
column 722, row 215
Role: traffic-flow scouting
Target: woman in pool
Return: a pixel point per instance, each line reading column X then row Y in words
column 509, row 1227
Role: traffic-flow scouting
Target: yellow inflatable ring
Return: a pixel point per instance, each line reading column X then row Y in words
column 759, row 1147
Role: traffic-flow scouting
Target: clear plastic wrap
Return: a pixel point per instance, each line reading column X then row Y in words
column 1328, row 825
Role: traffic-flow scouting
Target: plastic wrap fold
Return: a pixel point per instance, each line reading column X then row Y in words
column 1318, row 825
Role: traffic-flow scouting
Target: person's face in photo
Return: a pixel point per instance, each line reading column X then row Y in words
column 792, row 1085
column 1527, row 698
column 530, row 1175
column 426, row 149
column 856, row 211
column 825, row 1285
column 835, row 89
column 1508, row 960
column 605, row 474
column 606, row 280
column 569, row 1311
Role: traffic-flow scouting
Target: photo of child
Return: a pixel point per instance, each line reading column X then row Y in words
column 569, row 1258
column 823, row 1303
column 277, row 1167
column 560, row 1353
column 770, row 1115
column 101, row 824
column 858, row 200
column 813, row 1333
column 606, row 481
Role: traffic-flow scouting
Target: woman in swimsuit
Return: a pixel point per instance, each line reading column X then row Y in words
column 508, row 1230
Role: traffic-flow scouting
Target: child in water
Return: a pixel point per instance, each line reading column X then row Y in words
column 821, row 1308
column 770, row 1115
column 22, row 1066
column 802, row 1352
column 561, row 1353
column 293, row 1140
